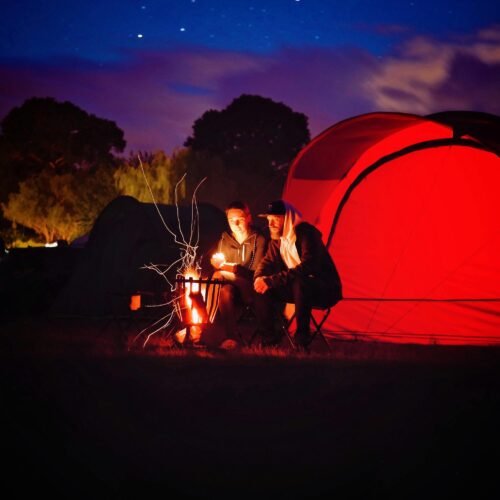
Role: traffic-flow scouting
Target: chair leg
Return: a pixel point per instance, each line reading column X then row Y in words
column 316, row 331
column 246, row 315
column 318, row 326
column 285, row 326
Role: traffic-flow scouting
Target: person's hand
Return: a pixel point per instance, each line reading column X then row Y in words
column 230, row 268
column 260, row 285
column 217, row 260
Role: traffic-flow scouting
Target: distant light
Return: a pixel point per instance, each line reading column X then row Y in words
column 182, row 29
column 140, row 35
column 51, row 245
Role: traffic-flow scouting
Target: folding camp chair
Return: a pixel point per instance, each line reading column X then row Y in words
column 247, row 320
column 286, row 322
column 283, row 323
column 249, row 315
column 316, row 325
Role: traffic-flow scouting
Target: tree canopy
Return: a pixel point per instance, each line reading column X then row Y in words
column 162, row 173
column 253, row 131
column 46, row 132
column 254, row 139
column 55, row 161
column 61, row 206
column 44, row 137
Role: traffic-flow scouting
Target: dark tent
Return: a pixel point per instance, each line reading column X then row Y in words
column 126, row 236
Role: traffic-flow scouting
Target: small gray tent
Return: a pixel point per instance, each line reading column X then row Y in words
column 127, row 235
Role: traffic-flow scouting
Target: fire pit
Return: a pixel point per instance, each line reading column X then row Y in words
column 197, row 304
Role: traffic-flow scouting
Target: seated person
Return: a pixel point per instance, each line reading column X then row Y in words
column 237, row 255
column 298, row 269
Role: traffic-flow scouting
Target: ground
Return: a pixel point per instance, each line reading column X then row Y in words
column 83, row 416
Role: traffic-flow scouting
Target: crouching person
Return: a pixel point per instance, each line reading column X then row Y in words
column 296, row 268
column 237, row 255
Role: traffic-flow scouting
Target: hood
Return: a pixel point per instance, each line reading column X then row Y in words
column 292, row 218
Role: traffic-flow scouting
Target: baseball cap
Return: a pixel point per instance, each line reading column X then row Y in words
column 276, row 207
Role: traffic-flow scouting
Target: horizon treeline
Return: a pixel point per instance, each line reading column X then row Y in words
column 60, row 166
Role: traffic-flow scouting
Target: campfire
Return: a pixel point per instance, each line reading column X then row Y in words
column 197, row 299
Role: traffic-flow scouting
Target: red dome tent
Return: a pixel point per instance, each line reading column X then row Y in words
column 409, row 208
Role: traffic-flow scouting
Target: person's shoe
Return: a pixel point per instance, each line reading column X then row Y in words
column 302, row 340
column 229, row 345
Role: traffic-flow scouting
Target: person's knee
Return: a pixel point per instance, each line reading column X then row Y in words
column 227, row 294
column 261, row 300
column 298, row 285
column 217, row 275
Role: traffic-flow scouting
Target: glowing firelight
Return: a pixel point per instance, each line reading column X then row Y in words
column 191, row 312
column 194, row 288
column 219, row 257
column 186, row 265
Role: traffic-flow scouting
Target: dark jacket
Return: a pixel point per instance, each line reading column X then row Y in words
column 315, row 262
column 247, row 256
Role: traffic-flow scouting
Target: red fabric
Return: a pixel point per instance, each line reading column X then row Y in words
column 417, row 243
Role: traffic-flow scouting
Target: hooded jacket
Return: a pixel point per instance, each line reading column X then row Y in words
column 315, row 262
column 246, row 256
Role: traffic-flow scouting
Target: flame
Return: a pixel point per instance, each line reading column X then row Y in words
column 196, row 320
column 195, row 317
column 195, row 334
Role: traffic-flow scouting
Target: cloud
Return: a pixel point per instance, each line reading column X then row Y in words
column 155, row 96
column 428, row 76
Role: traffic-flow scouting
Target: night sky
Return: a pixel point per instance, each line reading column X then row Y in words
column 155, row 66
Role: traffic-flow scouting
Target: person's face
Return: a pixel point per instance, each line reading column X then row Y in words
column 276, row 223
column 238, row 221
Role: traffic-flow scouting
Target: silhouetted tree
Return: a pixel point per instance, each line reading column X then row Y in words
column 256, row 139
column 46, row 132
column 46, row 135
column 252, row 131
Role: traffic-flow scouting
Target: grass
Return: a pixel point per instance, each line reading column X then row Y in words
column 39, row 335
column 84, row 416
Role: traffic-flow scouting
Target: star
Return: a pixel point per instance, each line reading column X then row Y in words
column 139, row 35
column 182, row 29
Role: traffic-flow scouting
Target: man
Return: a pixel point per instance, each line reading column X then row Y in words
column 297, row 268
column 237, row 255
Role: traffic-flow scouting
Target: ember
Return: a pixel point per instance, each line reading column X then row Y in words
column 135, row 302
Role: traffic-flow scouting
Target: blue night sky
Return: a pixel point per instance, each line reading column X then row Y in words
column 155, row 66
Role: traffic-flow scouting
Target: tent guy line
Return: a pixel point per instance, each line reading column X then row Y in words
column 418, row 299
